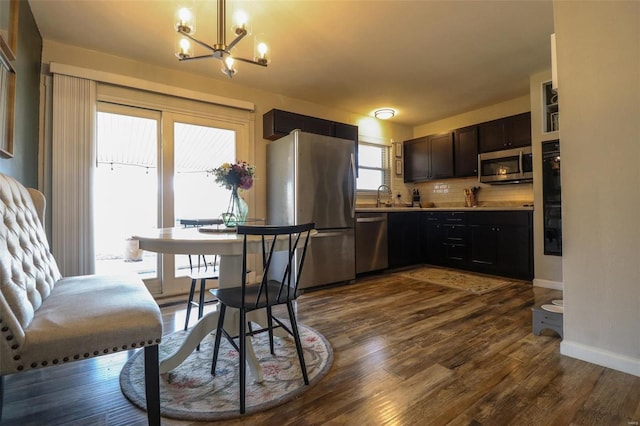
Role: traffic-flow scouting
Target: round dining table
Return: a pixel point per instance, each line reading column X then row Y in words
column 209, row 241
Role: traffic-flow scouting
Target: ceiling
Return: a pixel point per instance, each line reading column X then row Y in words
column 427, row 59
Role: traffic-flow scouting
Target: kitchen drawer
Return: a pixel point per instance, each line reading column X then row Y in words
column 456, row 252
column 505, row 218
column 455, row 232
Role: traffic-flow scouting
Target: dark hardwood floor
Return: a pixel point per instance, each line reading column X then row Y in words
column 406, row 352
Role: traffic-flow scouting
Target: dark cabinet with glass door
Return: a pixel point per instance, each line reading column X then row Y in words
column 552, row 198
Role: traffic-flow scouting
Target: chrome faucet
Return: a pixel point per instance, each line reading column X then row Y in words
column 388, row 191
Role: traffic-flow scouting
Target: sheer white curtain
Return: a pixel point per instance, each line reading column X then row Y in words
column 73, row 158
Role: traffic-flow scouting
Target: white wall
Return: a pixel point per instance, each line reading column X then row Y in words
column 599, row 93
column 548, row 269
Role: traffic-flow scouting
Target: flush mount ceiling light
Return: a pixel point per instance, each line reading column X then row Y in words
column 185, row 26
column 384, row 113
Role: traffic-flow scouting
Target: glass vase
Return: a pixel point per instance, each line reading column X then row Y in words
column 236, row 211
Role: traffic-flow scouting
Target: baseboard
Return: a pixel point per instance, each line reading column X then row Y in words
column 601, row 357
column 555, row 285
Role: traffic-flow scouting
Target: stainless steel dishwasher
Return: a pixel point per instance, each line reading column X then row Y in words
column 371, row 242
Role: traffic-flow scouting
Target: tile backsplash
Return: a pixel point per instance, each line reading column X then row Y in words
column 450, row 192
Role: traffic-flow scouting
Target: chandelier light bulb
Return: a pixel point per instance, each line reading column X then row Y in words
column 262, row 53
column 185, row 46
column 186, row 22
column 241, row 19
column 262, row 50
column 185, row 15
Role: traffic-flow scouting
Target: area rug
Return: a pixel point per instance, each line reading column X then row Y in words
column 190, row 392
column 473, row 283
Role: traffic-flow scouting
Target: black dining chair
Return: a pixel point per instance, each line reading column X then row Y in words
column 201, row 272
column 278, row 286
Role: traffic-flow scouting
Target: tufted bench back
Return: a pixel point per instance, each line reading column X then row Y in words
column 28, row 271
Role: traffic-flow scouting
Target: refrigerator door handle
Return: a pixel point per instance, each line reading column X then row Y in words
column 353, row 186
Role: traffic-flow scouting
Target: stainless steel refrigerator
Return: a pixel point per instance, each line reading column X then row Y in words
column 311, row 178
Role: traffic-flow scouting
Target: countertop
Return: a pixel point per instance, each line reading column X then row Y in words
column 364, row 209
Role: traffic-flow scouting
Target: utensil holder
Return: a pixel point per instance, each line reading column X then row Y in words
column 470, row 200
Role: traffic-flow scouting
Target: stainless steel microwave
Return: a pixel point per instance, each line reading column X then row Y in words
column 507, row 166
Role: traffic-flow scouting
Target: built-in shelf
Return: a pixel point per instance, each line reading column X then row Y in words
column 550, row 114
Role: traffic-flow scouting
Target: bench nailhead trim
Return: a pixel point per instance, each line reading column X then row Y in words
column 77, row 356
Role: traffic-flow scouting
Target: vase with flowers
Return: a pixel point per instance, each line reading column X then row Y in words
column 235, row 177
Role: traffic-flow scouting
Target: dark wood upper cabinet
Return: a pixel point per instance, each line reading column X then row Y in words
column 416, row 159
column 345, row 131
column 491, row 136
column 519, row 130
column 277, row 123
column 428, row 157
column 505, row 133
column 466, row 151
column 441, row 156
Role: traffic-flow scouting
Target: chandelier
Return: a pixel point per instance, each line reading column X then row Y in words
column 221, row 50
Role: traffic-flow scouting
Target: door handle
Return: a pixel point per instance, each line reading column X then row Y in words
column 353, row 186
column 520, row 163
column 371, row 219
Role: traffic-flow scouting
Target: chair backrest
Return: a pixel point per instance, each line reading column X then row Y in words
column 28, row 271
column 283, row 250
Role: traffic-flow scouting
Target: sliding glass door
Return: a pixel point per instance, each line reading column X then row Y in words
column 199, row 145
column 152, row 170
column 126, row 189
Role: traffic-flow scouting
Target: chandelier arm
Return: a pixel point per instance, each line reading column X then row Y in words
column 250, row 61
column 190, row 58
column 195, row 40
column 242, row 34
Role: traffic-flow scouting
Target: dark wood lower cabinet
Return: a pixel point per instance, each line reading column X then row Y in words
column 432, row 238
column 502, row 243
column 492, row 242
column 403, row 239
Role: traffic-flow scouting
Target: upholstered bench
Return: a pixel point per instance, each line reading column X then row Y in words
column 47, row 320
